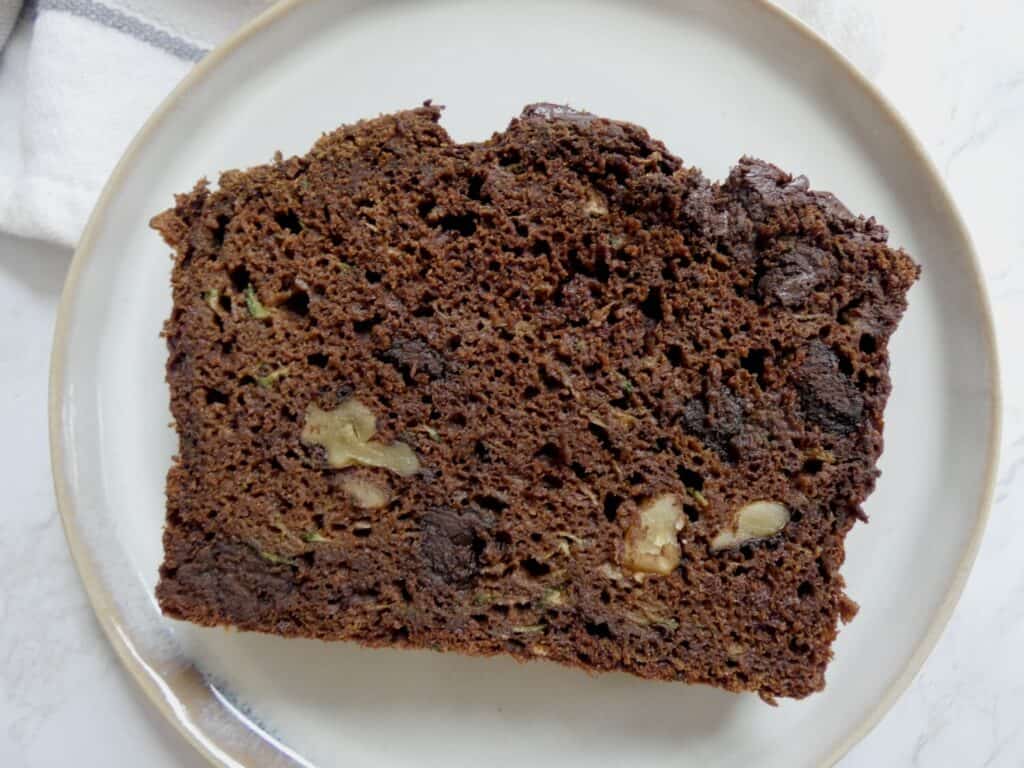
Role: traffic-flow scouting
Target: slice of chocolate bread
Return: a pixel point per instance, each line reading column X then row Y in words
column 552, row 395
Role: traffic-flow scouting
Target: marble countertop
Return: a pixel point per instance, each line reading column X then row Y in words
column 955, row 71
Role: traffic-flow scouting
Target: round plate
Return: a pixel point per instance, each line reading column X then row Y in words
column 714, row 81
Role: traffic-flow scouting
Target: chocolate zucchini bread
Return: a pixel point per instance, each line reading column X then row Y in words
column 551, row 395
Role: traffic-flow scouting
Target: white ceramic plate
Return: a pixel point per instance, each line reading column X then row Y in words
column 713, row 80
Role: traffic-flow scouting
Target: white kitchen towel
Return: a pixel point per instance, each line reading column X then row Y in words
column 77, row 80
column 79, row 77
column 8, row 15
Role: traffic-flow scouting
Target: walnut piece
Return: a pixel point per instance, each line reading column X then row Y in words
column 652, row 543
column 756, row 520
column 595, row 205
column 609, row 571
column 346, row 432
column 365, row 493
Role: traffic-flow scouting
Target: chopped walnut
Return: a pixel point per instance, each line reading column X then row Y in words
column 365, row 493
column 756, row 520
column 346, row 432
column 652, row 543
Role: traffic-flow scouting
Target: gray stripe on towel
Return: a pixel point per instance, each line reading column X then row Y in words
column 129, row 25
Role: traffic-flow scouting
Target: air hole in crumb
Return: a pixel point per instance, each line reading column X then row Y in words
column 464, row 224
column 289, row 221
column 509, row 157
column 578, row 469
column 372, row 277
column 362, row 532
column 691, row 512
column 690, row 478
column 598, row 629
column 365, row 326
column 812, row 466
column 868, row 345
column 540, row 247
column 602, row 436
column 423, row 310
column 551, row 481
column 240, row 278
column 458, row 419
column 845, row 365
column 551, row 381
column 536, row 537
column 491, row 502
column 535, row 568
column 318, row 359
column 503, row 539
column 675, row 355
column 605, row 596
column 753, row 361
column 530, row 392
column 551, row 452
column 225, row 302
column 476, row 185
column 805, row 590
column 215, row 396
column 652, row 307
column 298, row 303
column 612, row 502
column 478, row 545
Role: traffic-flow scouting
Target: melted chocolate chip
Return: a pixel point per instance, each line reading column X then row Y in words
column 451, row 544
column 717, row 419
column 793, row 276
column 415, row 359
column 828, row 396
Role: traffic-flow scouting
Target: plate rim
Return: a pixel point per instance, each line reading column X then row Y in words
column 103, row 604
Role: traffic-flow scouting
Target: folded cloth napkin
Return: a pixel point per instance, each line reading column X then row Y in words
column 77, row 80
column 79, row 77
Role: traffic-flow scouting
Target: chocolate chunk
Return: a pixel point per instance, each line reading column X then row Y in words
column 244, row 584
column 547, row 111
column 415, row 359
column 793, row 276
column 829, row 397
column 716, row 419
column 772, row 185
column 450, row 545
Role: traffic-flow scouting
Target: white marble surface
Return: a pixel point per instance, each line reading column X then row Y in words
column 955, row 69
